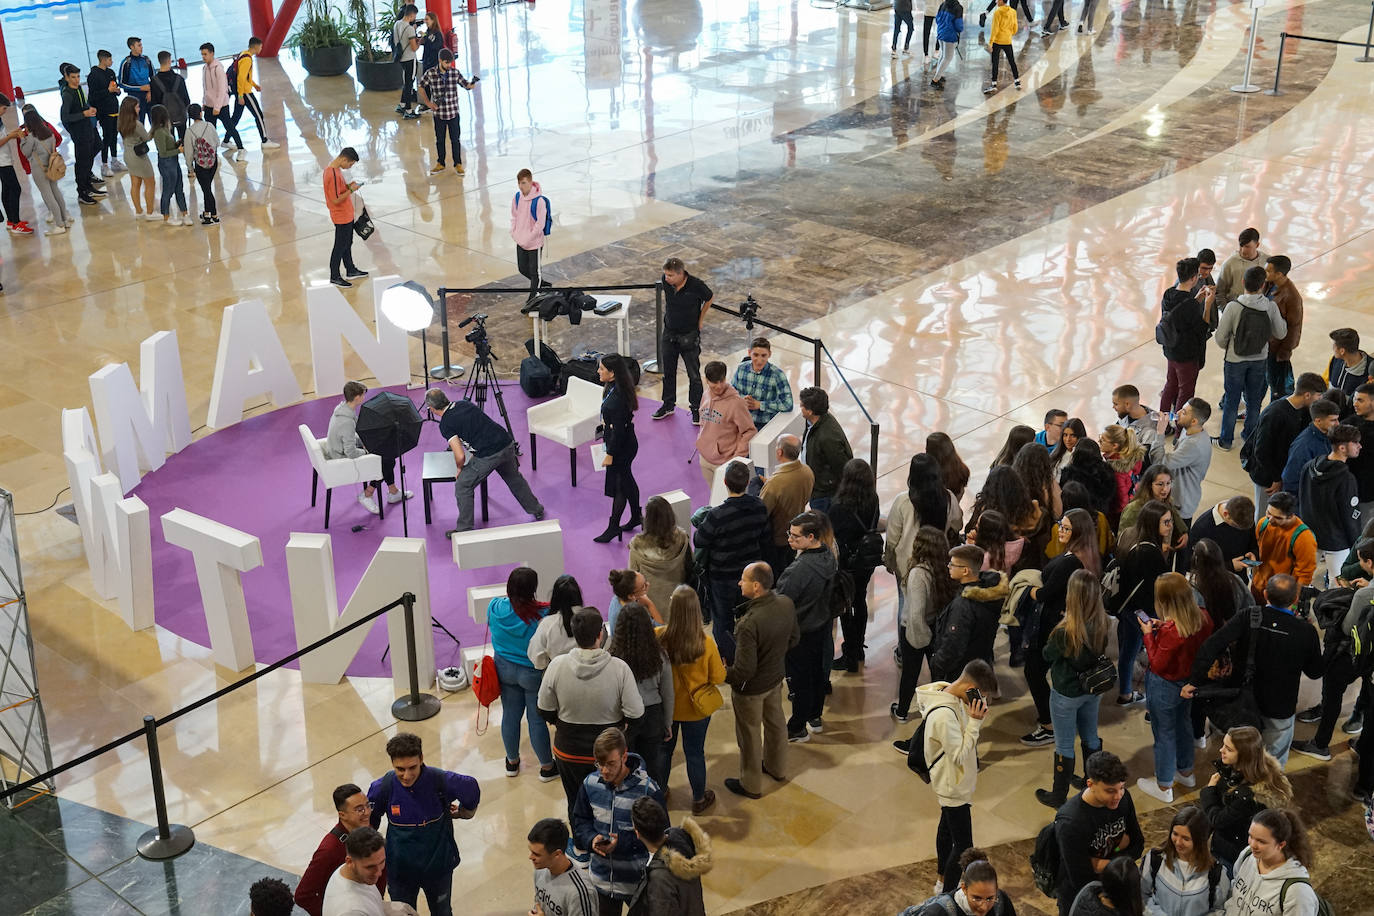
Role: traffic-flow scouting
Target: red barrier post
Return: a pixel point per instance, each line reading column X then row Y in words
column 6, row 82
column 281, row 27
column 443, row 11
column 260, row 16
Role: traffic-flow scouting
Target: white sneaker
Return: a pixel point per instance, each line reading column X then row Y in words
column 368, row 503
column 71, row 220
column 118, row 166
column 106, row 170
column 152, row 215
column 894, row 53
column 1187, row 782
column 270, row 144
column 49, row 218
column 1152, row 789
column 226, row 142
column 396, row 497
column 186, row 220
column 57, row 230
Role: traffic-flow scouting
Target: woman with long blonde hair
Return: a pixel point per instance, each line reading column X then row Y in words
column 1171, row 644
column 697, row 673
column 141, row 169
column 1248, row 780
column 1075, row 645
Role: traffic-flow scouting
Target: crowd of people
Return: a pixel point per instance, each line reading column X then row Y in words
column 1070, row 541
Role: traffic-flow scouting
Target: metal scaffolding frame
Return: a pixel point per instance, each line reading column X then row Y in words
column 23, row 727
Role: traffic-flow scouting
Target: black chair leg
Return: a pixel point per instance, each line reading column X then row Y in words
column 572, row 463
column 314, row 486
column 534, row 454
column 428, row 495
column 328, row 500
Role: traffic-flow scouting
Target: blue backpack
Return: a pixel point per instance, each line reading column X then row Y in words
column 534, row 211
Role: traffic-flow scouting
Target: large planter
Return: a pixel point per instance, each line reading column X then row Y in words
column 379, row 75
column 327, row 61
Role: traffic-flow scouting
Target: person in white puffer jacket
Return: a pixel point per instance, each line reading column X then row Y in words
column 1271, row 875
column 1181, row 878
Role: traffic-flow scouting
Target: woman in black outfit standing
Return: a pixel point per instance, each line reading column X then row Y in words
column 853, row 513
column 618, row 408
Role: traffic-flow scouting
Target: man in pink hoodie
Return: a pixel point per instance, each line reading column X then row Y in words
column 726, row 425
column 528, row 213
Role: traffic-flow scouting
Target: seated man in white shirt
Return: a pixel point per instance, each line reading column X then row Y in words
column 342, row 442
column 352, row 890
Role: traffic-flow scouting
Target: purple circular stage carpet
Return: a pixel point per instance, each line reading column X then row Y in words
column 255, row 476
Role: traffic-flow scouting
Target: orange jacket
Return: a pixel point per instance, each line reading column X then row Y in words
column 1280, row 552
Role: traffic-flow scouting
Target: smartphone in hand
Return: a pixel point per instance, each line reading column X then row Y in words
column 974, row 695
column 1144, row 618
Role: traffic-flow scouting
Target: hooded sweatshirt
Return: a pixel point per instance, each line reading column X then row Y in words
column 527, row 230
column 1182, row 309
column 1230, row 320
column 590, row 687
column 966, row 629
column 1231, row 283
column 1330, row 497
column 951, row 744
column 1253, row 894
column 671, row 884
column 726, row 427
column 949, row 21
column 663, row 568
column 1339, row 375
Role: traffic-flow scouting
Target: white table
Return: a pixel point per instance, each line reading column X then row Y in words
column 620, row 316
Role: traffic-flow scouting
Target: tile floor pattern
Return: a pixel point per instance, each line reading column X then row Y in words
column 969, row 260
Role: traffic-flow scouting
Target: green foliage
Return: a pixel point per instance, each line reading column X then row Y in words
column 321, row 27
column 371, row 31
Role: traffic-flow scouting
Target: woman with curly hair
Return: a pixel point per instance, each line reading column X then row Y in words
column 1005, row 492
column 926, row 590
column 1002, row 548
column 635, row 644
column 952, row 468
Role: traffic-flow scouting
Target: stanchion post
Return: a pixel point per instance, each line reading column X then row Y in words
column 1278, row 68
column 415, row 706
column 873, row 447
column 165, row 841
column 654, row 364
column 1368, row 38
column 816, row 357
column 447, row 370
column 1245, row 84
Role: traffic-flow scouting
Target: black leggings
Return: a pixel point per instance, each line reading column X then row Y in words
column 231, row 131
column 206, row 179
column 854, row 623
column 1011, row 61
column 109, row 138
column 9, row 193
column 1037, row 681
column 342, row 254
column 897, row 20
column 911, row 672
column 954, row 835
column 408, row 94
column 927, row 22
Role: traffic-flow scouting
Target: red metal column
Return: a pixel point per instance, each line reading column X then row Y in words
column 260, row 17
column 6, row 83
column 281, row 25
column 443, row 11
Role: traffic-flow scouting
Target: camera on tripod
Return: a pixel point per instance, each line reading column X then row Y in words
column 749, row 310
column 478, row 335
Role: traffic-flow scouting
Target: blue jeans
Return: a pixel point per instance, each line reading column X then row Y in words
column 1279, row 374
column 438, row 888
column 1278, row 737
column 1073, row 716
column 520, row 693
column 694, row 750
column 1172, row 724
column 169, row 169
column 1244, row 378
column 1128, row 643
column 725, row 595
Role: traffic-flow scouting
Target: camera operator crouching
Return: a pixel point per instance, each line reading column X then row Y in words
column 685, row 303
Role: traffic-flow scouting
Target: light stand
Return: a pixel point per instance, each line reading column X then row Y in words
column 410, row 307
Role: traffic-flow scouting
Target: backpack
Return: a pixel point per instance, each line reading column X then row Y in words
column 1362, row 642
column 56, row 167
column 231, row 75
column 202, row 153
column 535, row 378
column 171, row 99
column 1292, row 554
column 1044, row 860
column 939, row 905
column 841, row 594
column 1213, row 876
column 916, row 753
column 1252, row 332
column 534, row 211
column 1166, row 335
column 1330, row 606
column 867, row 552
column 397, row 48
column 1323, row 905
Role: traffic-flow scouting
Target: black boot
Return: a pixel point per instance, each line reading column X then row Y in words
column 613, row 529
column 1080, row 782
column 636, row 520
column 1053, row 798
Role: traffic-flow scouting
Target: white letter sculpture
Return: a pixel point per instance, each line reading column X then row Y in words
column 82, row 457
column 332, row 321
column 398, row 566
column 222, row 554
column 121, row 556
column 250, row 362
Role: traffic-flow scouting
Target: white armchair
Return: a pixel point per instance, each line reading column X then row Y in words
column 337, row 472
column 570, row 420
column 763, row 448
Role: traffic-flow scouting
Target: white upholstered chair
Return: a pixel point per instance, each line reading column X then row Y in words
column 570, row 420
column 337, row 472
column 763, row 448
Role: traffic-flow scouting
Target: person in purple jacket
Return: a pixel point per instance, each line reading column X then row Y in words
column 420, row 804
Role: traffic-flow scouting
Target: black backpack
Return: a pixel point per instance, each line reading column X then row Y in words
column 1166, row 335
column 841, row 593
column 866, row 553
column 916, row 752
column 535, row 378
column 1253, row 331
column 1044, row 860
column 1361, row 637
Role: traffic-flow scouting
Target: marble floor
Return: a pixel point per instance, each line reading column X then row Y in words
column 970, row 260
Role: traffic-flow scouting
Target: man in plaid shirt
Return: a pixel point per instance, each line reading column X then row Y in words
column 763, row 385
column 439, row 90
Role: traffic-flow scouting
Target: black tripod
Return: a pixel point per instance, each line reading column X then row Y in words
column 483, row 376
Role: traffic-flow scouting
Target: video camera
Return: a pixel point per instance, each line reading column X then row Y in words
column 478, row 335
column 749, row 310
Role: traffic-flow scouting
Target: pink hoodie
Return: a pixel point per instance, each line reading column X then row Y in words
column 726, row 427
column 528, row 231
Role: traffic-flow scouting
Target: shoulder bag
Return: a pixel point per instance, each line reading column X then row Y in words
column 1232, row 707
column 706, row 699
column 56, row 167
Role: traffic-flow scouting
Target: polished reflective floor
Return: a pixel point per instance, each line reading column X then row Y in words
column 969, row 259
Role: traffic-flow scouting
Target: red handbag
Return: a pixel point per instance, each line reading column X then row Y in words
column 486, row 686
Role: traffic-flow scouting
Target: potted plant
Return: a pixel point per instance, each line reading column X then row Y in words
column 323, row 40
column 372, row 45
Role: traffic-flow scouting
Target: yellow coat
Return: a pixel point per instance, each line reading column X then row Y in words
column 1003, row 25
